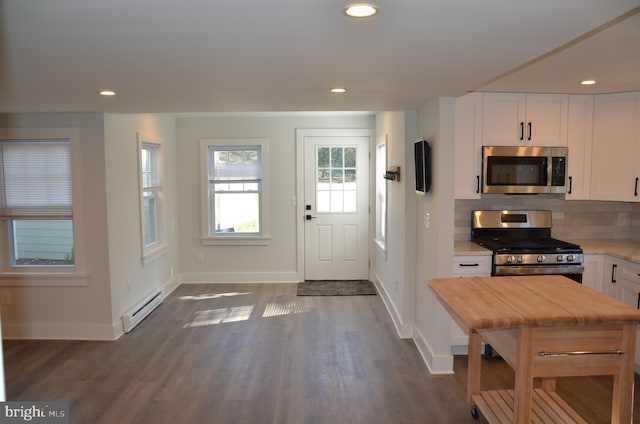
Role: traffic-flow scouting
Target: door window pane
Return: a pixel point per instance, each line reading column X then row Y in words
column 336, row 189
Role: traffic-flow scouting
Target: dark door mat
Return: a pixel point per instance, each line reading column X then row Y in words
column 336, row 288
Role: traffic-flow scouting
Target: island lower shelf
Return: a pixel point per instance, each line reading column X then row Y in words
column 546, row 407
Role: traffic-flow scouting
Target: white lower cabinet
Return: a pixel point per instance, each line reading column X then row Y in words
column 629, row 292
column 610, row 276
column 593, row 272
column 467, row 266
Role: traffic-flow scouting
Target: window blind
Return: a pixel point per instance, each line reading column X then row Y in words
column 35, row 179
column 228, row 164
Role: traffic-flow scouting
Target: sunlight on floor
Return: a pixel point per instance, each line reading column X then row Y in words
column 212, row 296
column 279, row 309
column 220, row 316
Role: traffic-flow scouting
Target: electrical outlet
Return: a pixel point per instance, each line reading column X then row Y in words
column 128, row 285
column 200, row 257
column 427, row 220
column 396, row 286
column 5, row 298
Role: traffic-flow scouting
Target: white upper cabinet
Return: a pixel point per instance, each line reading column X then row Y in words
column 468, row 146
column 579, row 141
column 616, row 147
column 512, row 119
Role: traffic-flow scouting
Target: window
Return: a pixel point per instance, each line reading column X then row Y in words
column 36, row 201
column 234, row 198
column 381, row 193
column 150, row 191
column 151, row 200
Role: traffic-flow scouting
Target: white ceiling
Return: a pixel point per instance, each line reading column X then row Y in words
column 284, row 55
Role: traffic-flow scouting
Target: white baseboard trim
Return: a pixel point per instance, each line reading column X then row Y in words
column 437, row 364
column 241, row 277
column 66, row 331
column 404, row 331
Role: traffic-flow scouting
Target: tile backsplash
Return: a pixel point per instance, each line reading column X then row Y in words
column 572, row 220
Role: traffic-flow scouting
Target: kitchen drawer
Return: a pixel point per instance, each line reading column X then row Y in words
column 472, row 265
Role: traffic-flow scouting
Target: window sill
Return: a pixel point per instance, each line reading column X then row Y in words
column 154, row 253
column 236, row 240
column 43, row 279
column 382, row 246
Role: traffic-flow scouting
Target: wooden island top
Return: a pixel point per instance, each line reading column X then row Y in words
column 528, row 301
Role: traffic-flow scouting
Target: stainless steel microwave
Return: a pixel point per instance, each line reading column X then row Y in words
column 524, row 170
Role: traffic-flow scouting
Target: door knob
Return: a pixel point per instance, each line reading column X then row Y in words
column 309, row 217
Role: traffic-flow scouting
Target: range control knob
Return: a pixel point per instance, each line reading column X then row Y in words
column 542, row 258
column 569, row 258
column 520, row 259
column 510, row 259
column 559, row 258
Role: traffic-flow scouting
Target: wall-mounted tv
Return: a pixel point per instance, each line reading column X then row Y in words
column 422, row 156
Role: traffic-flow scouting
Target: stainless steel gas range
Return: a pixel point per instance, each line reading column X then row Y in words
column 521, row 243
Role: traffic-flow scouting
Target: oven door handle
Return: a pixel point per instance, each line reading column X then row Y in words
column 539, row 270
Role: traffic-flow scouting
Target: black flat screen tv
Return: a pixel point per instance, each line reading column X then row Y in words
column 422, row 156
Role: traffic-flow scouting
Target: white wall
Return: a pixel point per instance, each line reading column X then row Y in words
column 65, row 312
column 394, row 269
column 277, row 261
column 131, row 280
column 435, row 244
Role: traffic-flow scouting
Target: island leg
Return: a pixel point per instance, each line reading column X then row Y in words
column 622, row 402
column 475, row 357
column 524, row 376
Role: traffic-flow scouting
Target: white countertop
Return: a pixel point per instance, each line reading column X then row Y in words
column 624, row 249
column 469, row 248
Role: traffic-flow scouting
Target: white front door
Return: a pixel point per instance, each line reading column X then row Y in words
column 336, row 207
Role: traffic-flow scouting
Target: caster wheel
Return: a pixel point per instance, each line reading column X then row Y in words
column 475, row 413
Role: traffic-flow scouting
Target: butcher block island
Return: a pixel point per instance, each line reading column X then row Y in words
column 544, row 327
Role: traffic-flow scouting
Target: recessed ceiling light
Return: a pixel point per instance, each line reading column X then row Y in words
column 361, row 10
column 338, row 90
column 588, row 82
column 107, row 93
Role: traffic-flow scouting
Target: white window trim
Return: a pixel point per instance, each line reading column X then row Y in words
column 159, row 249
column 239, row 239
column 75, row 275
column 381, row 243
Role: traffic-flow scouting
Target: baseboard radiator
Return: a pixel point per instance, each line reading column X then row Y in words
column 140, row 311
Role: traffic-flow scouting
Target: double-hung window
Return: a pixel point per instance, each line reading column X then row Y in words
column 36, row 205
column 151, row 200
column 150, row 192
column 234, row 199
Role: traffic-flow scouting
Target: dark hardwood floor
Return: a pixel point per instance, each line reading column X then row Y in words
column 258, row 354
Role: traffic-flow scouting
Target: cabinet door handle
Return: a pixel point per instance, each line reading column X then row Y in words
column 529, row 127
column 638, row 304
column 477, row 184
column 469, row 264
column 521, row 131
column 635, row 191
column 613, row 273
column 570, row 184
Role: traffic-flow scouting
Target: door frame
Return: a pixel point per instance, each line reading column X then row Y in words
column 299, row 200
